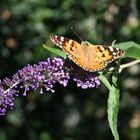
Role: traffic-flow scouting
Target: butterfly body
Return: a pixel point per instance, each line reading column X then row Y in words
column 89, row 57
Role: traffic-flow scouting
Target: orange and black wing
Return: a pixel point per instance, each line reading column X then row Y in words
column 71, row 47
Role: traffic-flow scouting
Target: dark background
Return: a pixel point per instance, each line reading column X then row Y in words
column 70, row 113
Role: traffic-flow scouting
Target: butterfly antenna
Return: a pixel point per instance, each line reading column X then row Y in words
column 76, row 34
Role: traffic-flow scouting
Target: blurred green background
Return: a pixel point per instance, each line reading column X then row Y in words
column 70, row 113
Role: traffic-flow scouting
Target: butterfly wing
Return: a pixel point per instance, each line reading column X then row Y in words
column 99, row 56
column 71, row 47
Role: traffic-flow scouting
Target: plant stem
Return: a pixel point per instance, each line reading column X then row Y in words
column 123, row 66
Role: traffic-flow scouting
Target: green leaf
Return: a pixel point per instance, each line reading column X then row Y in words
column 55, row 51
column 113, row 43
column 113, row 107
column 105, row 81
column 126, row 45
column 133, row 52
column 131, row 49
column 113, row 103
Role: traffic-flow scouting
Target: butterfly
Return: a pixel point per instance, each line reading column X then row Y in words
column 90, row 57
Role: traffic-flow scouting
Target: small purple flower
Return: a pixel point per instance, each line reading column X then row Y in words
column 43, row 76
column 86, row 80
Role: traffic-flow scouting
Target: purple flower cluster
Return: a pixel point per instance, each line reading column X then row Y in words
column 87, row 80
column 41, row 77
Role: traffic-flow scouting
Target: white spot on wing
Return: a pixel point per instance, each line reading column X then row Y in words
column 114, row 53
column 102, row 49
column 62, row 38
column 111, row 48
column 70, row 41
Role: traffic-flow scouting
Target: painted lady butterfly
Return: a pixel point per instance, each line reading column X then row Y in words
column 89, row 57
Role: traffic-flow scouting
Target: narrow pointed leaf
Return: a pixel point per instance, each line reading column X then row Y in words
column 113, row 107
column 55, row 51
